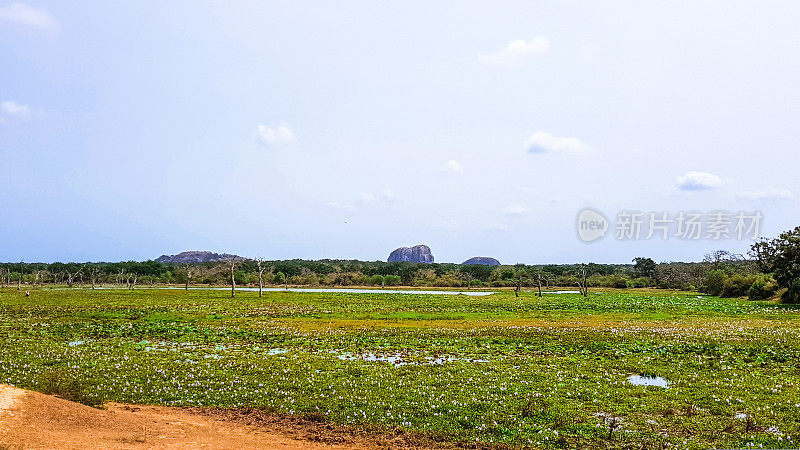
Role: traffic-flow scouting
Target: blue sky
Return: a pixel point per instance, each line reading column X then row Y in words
column 347, row 129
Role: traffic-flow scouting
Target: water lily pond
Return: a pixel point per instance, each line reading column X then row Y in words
column 354, row 291
column 618, row 369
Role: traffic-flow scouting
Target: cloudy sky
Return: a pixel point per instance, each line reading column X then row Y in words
column 345, row 129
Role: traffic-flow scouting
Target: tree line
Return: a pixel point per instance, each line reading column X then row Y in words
column 771, row 266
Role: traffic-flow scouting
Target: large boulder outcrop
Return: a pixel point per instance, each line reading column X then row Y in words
column 482, row 260
column 195, row 256
column 415, row 254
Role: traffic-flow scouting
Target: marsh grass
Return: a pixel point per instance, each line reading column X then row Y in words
column 61, row 383
column 546, row 373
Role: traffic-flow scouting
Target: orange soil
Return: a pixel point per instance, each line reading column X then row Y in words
column 33, row 420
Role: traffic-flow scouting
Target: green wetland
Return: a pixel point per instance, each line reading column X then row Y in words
column 619, row 369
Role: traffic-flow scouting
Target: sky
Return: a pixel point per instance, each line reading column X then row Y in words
column 343, row 130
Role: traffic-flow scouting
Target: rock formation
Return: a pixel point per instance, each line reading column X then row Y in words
column 416, row 254
column 195, row 256
column 482, row 260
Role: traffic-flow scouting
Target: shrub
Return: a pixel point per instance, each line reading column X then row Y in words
column 449, row 280
column 310, row 279
column 737, row 285
column 762, row 288
column 714, row 282
column 392, row 280
column 640, row 282
column 792, row 295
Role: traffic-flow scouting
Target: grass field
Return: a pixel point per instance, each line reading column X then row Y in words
column 550, row 372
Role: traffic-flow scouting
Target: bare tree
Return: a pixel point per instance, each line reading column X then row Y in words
column 721, row 258
column 189, row 273
column 71, row 276
column 518, row 284
column 19, row 275
column 130, row 279
column 94, row 274
column 583, row 282
column 539, row 277
column 231, row 263
column 37, row 275
column 468, row 277
column 261, row 268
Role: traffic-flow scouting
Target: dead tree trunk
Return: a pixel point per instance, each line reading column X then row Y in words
column 518, row 286
column 539, row 284
column 232, row 267
column 188, row 277
column 261, row 268
column 583, row 282
column 468, row 277
column 71, row 277
column 94, row 274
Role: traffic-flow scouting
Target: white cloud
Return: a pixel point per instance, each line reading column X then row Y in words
column 11, row 111
column 515, row 52
column 696, row 181
column 452, row 166
column 516, row 210
column 769, row 193
column 275, row 136
column 542, row 142
column 23, row 14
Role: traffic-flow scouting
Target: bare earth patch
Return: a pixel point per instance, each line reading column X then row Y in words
column 33, row 420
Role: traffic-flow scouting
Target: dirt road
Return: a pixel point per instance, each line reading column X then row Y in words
column 33, row 420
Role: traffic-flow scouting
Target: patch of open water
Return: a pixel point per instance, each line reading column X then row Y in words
column 648, row 380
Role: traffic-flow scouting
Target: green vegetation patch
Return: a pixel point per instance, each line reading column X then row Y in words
column 547, row 372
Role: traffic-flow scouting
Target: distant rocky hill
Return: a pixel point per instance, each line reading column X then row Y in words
column 417, row 254
column 482, row 260
column 195, row 257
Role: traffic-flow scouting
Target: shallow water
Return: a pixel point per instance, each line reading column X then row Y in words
column 639, row 380
column 359, row 291
column 400, row 360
